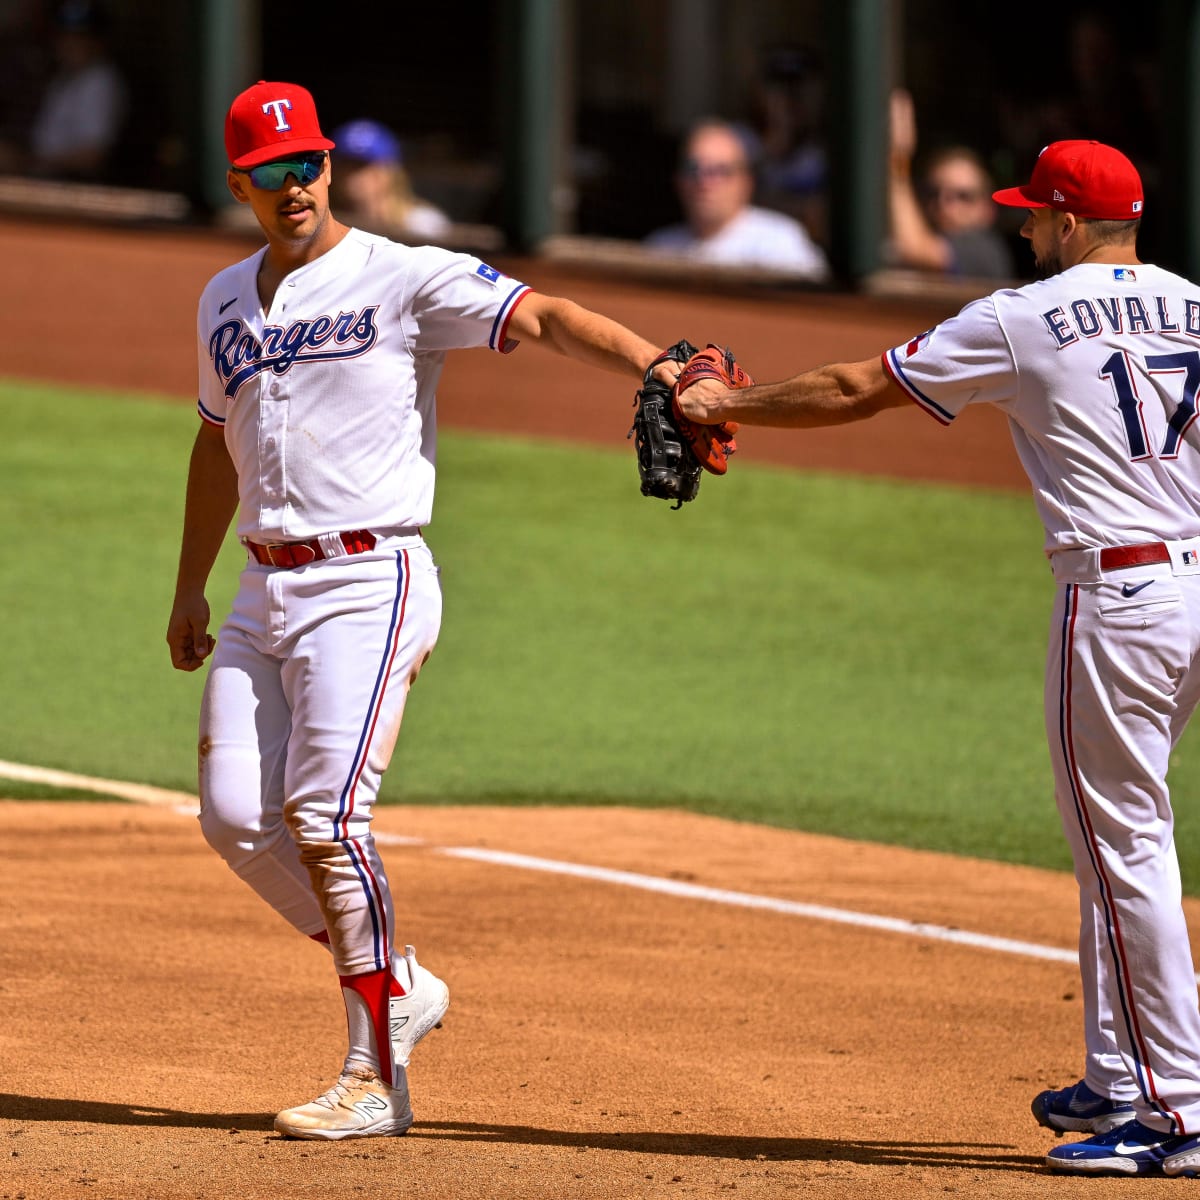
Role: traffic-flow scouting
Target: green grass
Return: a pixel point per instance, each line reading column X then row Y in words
column 854, row 657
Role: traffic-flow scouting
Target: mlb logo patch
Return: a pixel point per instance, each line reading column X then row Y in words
column 1191, row 558
column 1137, row 206
column 486, row 273
column 1125, row 274
column 918, row 343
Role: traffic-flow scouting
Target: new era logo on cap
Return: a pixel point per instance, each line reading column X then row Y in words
column 1086, row 178
column 270, row 120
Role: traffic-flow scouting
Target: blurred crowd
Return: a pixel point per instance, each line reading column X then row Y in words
column 940, row 218
column 750, row 185
column 63, row 100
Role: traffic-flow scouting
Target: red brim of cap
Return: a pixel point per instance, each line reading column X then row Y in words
column 284, row 149
column 1017, row 197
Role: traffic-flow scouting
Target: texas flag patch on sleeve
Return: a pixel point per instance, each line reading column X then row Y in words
column 488, row 274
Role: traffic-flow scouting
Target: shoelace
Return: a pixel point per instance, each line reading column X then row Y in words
column 341, row 1089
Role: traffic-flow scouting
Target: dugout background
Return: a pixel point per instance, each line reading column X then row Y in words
column 627, row 80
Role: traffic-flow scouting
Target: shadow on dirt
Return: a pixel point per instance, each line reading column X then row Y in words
column 94, row 1112
column 984, row 1156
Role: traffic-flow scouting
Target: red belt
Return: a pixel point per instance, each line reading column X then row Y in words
column 300, row 554
column 1113, row 558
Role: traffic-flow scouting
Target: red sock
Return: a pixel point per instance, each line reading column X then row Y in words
column 374, row 988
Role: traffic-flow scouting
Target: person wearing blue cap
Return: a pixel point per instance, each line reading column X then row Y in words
column 372, row 187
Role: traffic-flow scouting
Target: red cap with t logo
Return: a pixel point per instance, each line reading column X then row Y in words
column 272, row 120
column 1088, row 179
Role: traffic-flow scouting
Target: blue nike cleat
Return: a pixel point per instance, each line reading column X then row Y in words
column 1077, row 1109
column 1130, row 1149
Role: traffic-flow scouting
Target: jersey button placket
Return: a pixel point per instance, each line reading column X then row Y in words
column 274, row 420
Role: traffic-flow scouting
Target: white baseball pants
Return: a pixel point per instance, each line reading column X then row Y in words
column 302, row 706
column 1122, row 679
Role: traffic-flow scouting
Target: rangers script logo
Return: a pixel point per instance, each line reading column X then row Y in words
column 238, row 355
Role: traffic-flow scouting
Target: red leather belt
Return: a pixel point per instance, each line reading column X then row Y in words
column 1113, row 558
column 300, row 554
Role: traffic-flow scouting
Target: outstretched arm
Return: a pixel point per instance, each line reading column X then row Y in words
column 212, row 496
column 831, row 395
column 586, row 336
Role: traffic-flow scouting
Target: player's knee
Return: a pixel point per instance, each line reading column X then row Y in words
column 233, row 837
column 316, row 821
column 219, row 833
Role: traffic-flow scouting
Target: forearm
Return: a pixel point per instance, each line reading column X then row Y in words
column 914, row 242
column 830, row 395
column 576, row 332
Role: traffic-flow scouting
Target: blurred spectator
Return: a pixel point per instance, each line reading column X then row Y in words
column 715, row 184
column 789, row 117
column 372, row 188
column 24, row 68
column 953, row 232
column 82, row 109
column 1109, row 88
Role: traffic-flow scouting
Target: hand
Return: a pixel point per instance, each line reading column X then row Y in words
column 187, row 633
column 668, row 372
column 701, row 401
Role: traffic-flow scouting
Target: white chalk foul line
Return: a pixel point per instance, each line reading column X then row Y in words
column 139, row 793
column 795, row 908
column 183, row 802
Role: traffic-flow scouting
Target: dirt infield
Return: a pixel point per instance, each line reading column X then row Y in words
column 603, row 1040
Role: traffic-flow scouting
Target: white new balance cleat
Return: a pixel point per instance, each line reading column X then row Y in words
column 413, row 1015
column 360, row 1104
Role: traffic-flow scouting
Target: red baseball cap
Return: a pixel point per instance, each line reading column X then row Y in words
column 272, row 120
column 1086, row 178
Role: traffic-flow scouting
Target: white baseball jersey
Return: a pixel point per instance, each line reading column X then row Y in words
column 1098, row 370
column 319, row 448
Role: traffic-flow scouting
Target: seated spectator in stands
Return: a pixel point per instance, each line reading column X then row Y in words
column 715, row 183
column 82, row 110
column 954, row 232
column 373, row 190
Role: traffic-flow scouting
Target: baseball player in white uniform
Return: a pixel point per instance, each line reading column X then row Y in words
column 1098, row 370
column 319, row 356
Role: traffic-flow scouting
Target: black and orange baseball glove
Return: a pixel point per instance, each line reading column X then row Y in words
column 672, row 451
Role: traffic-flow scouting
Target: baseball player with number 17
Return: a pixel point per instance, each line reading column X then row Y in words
column 318, row 357
column 1098, row 369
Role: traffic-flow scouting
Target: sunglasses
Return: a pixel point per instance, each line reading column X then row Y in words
column 952, row 195
column 692, row 169
column 271, row 176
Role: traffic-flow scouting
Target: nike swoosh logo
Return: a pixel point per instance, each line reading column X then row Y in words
column 1122, row 1148
column 226, row 305
column 1129, row 589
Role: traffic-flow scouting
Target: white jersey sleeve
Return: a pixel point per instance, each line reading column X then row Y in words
column 964, row 360
column 236, row 281
column 461, row 302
